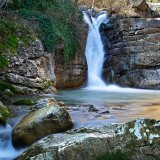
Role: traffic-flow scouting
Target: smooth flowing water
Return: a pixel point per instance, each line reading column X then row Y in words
column 7, row 151
column 94, row 48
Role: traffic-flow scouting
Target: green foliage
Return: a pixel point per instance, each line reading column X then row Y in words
column 3, row 61
column 8, row 41
column 7, row 85
column 8, row 37
column 24, row 102
column 4, row 113
column 118, row 155
column 10, row 34
column 56, row 23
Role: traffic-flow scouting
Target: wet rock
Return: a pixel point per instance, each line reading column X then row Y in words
column 61, row 103
column 104, row 112
column 41, row 103
column 92, row 109
column 50, row 118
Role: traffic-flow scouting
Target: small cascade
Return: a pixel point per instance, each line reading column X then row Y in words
column 94, row 48
column 7, row 151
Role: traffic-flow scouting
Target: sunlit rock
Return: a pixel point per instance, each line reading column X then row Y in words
column 49, row 119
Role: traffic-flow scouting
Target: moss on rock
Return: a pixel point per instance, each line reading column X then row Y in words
column 24, row 102
column 7, row 85
column 117, row 155
column 4, row 113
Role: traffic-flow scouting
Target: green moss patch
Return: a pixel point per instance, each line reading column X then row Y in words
column 4, row 113
column 24, row 102
column 11, row 33
column 7, row 85
column 118, row 155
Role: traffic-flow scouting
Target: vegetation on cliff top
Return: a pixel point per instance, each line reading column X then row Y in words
column 8, row 41
column 55, row 22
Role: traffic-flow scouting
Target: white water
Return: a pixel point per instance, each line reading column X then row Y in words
column 7, row 151
column 94, row 49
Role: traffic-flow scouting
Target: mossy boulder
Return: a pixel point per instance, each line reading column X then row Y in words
column 4, row 113
column 139, row 139
column 27, row 102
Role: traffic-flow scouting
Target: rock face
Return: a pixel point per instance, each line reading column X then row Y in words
column 133, row 52
column 29, row 69
column 71, row 75
column 51, row 118
column 137, row 139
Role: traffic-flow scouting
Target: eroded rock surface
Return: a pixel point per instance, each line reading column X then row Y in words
column 30, row 68
column 73, row 74
column 138, row 139
column 133, row 52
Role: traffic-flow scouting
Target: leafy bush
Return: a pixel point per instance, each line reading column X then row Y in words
column 56, row 22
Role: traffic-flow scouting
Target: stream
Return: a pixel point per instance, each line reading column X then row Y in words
column 113, row 105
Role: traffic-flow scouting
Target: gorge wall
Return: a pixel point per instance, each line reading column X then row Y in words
column 74, row 74
column 29, row 67
column 133, row 50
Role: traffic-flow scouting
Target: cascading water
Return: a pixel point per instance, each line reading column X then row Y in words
column 7, row 151
column 94, row 48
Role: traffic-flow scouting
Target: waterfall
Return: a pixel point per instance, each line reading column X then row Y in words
column 94, row 48
column 7, row 151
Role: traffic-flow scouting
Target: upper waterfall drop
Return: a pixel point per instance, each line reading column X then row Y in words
column 94, row 48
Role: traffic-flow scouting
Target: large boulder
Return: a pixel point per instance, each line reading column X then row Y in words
column 48, row 120
column 84, row 143
column 138, row 139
